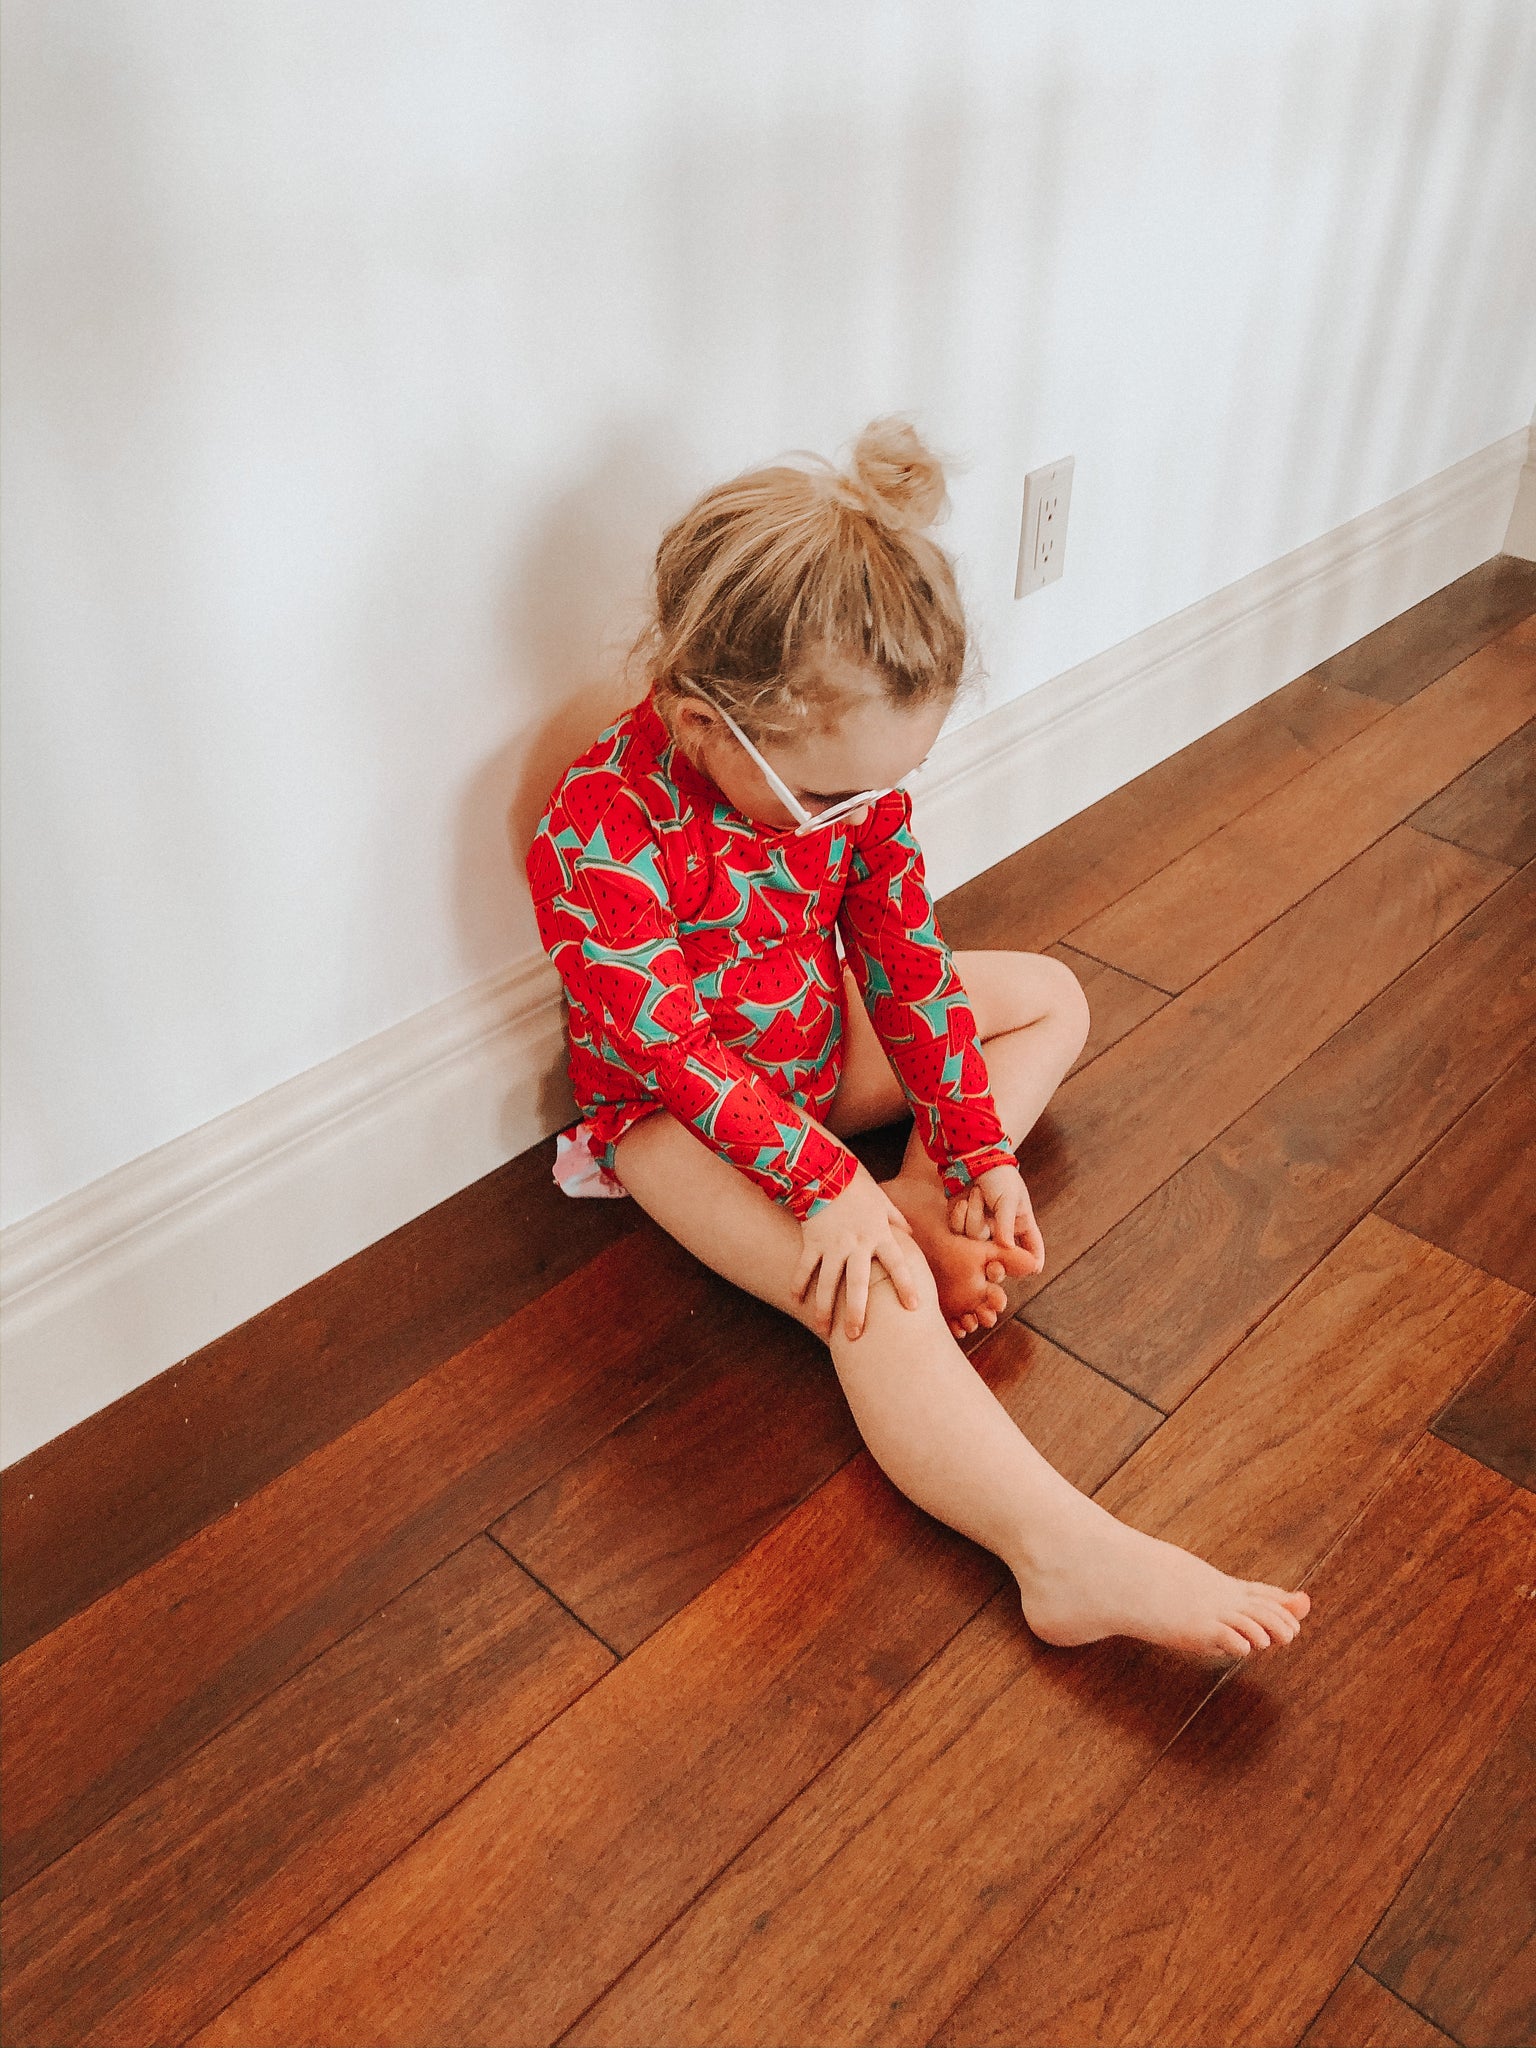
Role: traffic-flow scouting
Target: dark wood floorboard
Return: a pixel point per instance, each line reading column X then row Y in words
column 1068, row 875
column 511, row 1915
column 630, row 1530
column 139, row 1932
column 1418, row 646
column 1459, row 1940
column 1165, row 1294
column 317, row 1721
column 1117, row 1002
column 1329, row 1391
column 1361, row 2013
column 1116, row 1133
column 1493, row 1418
column 1492, row 808
column 1474, row 1192
column 1035, row 896
column 1192, row 913
column 1233, row 1888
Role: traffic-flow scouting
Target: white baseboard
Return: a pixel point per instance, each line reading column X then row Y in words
column 113, row 1284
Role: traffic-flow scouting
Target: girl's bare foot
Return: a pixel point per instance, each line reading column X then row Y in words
column 969, row 1270
column 1083, row 1574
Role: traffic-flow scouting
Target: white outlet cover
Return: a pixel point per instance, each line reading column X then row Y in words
column 1043, row 534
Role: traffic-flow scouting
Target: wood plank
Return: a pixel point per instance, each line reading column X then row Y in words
column 1117, row 1002
column 108, row 1703
column 1120, row 1128
column 1233, row 1888
column 1339, row 1380
column 632, row 1529
column 1420, row 644
column 88, row 1509
column 148, row 1927
column 1361, row 2014
column 1492, row 808
column 1083, row 1423
column 1493, row 1418
column 1168, row 1291
column 511, row 1915
column 1459, row 1940
column 1202, row 906
column 1036, row 895
column 1475, row 1191
column 880, row 1895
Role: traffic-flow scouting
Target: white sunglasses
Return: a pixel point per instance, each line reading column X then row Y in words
column 806, row 821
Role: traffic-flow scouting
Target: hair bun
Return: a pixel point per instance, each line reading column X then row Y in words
column 898, row 476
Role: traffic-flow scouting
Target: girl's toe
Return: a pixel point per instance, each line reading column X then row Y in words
column 1250, row 1626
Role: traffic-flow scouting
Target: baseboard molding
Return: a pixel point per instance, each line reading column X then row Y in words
column 113, row 1284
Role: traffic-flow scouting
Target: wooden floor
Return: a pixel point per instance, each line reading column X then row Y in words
column 507, row 1640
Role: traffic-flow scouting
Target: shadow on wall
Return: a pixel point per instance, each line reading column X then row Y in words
column 575, row 602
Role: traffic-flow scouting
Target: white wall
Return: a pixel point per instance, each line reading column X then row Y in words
column 355, row 354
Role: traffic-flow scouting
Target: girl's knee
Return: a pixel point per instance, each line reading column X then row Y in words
column 1076, row 1004
column 1070, row 1000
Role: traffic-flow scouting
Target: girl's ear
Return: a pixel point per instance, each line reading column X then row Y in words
column 695, row 726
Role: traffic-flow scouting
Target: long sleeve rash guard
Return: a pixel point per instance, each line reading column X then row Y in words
column 698, row 951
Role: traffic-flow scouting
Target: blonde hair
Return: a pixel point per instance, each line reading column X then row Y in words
column 780, row 565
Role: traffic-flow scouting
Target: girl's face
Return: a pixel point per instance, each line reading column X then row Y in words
column 872, row 745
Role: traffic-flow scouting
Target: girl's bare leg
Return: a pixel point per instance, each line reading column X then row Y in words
column 942, row 1436
column 1032, row 1018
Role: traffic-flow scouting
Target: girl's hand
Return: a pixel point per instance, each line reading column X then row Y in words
column 853, row 1230
column 998, row 1206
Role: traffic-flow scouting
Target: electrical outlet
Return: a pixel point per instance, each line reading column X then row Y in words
column 1043, row 538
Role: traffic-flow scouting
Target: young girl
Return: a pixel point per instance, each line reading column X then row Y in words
column 698, row 875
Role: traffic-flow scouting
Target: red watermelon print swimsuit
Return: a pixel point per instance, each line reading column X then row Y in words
column 699, row 955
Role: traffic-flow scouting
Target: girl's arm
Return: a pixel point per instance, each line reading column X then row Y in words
column 906, row 975
column 605, row 920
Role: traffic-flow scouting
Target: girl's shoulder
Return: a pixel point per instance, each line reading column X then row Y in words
column 608, row 801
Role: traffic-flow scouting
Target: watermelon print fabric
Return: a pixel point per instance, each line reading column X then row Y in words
column 698, row 951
